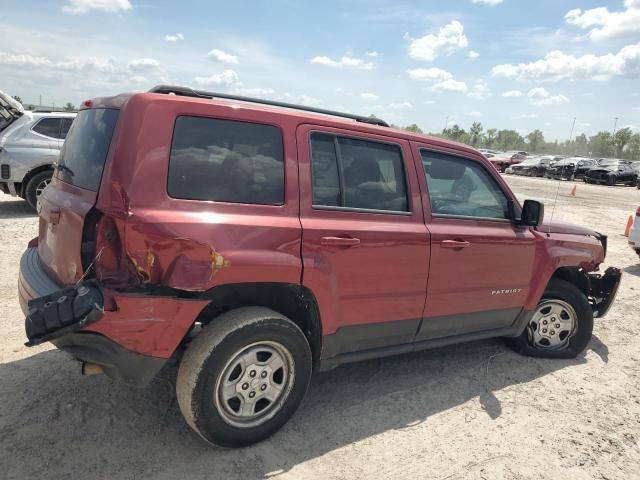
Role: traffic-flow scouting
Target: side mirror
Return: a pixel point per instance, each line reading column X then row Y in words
column 532, row 213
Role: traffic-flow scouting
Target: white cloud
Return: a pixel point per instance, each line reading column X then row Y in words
column 345, row 61
column 174, row 38
column 557, row 65
column 603, row 24
column 77, row 65
column 472, row 55
column 216, row 55
column 143, row 63
column 429, row 102
column 83, row 6
column 254, row 92
column 401, row 106
column 488, row 2
column 524, row 116
column 449, row 38
column 637, row 109
column 370, row 97
column 374, row 54
column 475, row 114
column 138, row 79
column 450, row 85
column 429, row 74
column 226, row 79
column 538, row 92
column 308, row 101
column 541, row 97
column 480, row 90
column 512, row 93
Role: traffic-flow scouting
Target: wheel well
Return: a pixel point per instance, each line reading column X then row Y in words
column 575, row 276
column 294, row 301
column 29, row 176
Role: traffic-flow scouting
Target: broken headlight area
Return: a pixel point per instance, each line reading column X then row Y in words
column 63, row 312
column 603, row 290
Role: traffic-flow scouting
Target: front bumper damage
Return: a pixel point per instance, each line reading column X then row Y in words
column 603, row 290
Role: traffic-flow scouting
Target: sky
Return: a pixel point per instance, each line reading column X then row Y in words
column 507, row 63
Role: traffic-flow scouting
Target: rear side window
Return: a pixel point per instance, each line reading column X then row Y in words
column 85, row 149
column 226, row 161
column 49, row 127
column 66, row 125
column 357, row 174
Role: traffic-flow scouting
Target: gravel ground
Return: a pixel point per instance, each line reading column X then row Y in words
column 473, row 411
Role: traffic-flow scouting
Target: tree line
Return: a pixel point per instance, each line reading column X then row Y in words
column 623, row 144
column 68, row 107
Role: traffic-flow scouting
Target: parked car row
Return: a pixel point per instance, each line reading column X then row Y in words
column 606, row 171
column 30, row 143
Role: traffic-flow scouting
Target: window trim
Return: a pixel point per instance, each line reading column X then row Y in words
column 463, row 217
column 282, row 203
column 42, row 134
column 341, row 208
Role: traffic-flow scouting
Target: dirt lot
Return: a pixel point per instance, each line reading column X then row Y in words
column 473, row 411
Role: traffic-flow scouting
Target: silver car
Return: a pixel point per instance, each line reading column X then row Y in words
column 29, row 146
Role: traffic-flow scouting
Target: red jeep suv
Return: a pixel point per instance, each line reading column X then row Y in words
column 253, row 242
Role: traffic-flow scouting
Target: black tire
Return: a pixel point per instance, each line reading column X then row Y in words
column 30, row 192
column 612, row 180
column 211, row 352
column 569, row 293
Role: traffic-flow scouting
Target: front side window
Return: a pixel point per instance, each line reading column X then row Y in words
column 226, row 161
column 462, row 187
column 49, row 127
column 357, row 174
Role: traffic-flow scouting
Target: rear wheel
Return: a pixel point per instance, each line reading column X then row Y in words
column 36, row 186
column 243, row 376
column 561, row 324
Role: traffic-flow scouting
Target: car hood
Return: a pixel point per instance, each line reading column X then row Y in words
column 9, row 110
column 560, row 227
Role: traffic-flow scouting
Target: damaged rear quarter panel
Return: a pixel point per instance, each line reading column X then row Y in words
column 146, row 324
column 187, row 245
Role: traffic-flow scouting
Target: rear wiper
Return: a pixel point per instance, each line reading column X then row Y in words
column 62, row 167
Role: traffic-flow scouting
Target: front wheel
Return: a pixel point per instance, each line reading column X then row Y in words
column 561, row 324
column 243, row 376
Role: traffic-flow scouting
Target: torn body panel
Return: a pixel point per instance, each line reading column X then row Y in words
column 147, row 324
column 603, row 290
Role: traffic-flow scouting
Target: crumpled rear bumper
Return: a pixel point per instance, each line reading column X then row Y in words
column 61, row 315
column 603, row 290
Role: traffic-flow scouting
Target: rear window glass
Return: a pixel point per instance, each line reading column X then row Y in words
column 85, row 149
column 226, row 161
column 49, row 127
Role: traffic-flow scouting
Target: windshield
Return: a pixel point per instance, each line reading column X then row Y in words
column 85, row 150
column 609, row 163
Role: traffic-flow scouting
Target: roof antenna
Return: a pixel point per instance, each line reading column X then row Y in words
column 555, row 200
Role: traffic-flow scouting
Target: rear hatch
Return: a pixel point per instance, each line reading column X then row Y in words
column 69, row 199
column 10, row 110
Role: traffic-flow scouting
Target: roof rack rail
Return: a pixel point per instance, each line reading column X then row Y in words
column 190, row 92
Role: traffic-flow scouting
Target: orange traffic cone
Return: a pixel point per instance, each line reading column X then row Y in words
column 628, row 227
column 573, row 191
